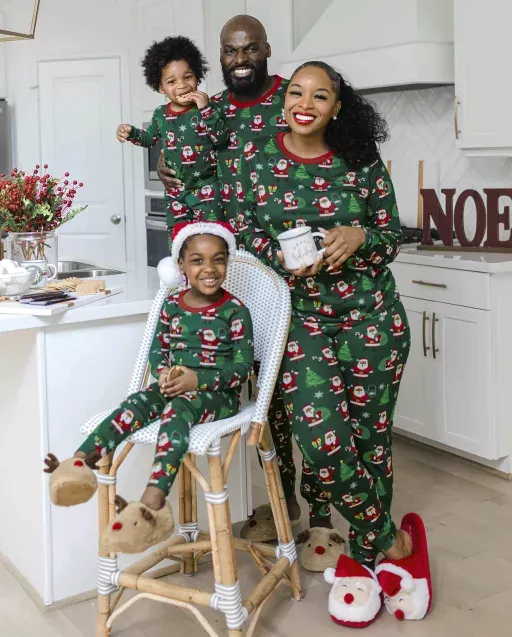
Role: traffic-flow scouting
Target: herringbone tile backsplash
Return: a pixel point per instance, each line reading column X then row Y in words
column 421, row 127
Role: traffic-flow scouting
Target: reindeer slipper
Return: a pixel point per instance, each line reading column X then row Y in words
column 71, row 482
column 322, row 548
column 260, row 527
column 136, row 527
column 406, row 583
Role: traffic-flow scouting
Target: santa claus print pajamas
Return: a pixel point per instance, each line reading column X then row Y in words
column 217, row 343
column 247, row 122
column 189, row 139
column 349, row 338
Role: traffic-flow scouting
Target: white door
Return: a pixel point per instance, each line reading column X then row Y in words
column 80, row 109
column 462, row 392
column 414, row 408
column 483, row 50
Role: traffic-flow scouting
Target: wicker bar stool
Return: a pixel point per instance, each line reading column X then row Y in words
column 268, row 299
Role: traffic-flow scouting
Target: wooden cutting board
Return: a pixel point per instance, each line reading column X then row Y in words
column 14, row 307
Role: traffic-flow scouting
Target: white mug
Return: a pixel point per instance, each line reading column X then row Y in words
column 42, row 267
column 299, row 248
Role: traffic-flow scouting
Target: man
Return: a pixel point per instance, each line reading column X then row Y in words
column 253, row 102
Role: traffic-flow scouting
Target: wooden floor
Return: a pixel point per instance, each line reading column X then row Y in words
column 469, row 522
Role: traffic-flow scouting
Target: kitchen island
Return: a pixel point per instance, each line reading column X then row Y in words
column 55, row 373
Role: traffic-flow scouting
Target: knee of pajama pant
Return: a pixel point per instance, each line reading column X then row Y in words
column 137, row 411
column 172, row 443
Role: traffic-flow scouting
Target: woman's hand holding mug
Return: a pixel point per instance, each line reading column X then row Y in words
column 340, row 243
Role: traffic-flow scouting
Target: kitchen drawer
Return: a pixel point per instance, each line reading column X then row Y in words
column 458, row 287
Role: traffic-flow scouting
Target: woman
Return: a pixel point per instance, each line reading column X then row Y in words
column 349, row 338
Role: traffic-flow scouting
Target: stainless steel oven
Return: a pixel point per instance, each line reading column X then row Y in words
column 156, row 230
column 151, row 157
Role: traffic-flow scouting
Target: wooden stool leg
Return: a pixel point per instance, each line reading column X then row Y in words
column 219, row 517
column 188, row 509
column 103, row 612
column 278, row 504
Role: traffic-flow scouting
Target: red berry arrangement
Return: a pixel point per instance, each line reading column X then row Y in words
column 36, row 202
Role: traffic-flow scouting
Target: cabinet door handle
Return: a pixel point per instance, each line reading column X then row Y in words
column 456, row 116
column 431, row 285
column 434, row 348
column 425, row 348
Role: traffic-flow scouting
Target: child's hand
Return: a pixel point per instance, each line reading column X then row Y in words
column 162, row 378
column 123, row 131
column 187, row 381
column 201, row 99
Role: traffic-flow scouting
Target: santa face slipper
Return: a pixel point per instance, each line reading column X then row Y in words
column 260, row 527
column 406, row 583
column 71, row 482
column 355, row 598
column 137, row 528
column 322, row 548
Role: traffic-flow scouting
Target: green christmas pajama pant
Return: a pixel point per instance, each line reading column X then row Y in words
column 282, row 437
column 177, row 417
column 340, row 386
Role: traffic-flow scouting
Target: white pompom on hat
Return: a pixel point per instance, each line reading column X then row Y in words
column 168, row 268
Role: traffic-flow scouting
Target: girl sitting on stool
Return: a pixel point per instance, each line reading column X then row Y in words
column 202, row 353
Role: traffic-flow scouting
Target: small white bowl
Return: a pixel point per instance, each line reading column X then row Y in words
column 12, row 285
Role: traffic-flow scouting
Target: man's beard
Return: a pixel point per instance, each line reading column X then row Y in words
column 249, row 85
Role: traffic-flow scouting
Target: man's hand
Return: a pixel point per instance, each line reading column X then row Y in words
column 123, row 132
column 175, row 384
column 166, row 175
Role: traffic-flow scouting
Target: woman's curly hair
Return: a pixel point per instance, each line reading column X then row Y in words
column 160, row 54
column 359, row 129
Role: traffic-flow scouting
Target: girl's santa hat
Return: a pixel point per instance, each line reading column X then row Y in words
column 168, row 268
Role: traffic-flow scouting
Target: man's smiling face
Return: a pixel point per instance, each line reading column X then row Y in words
column 243, row 56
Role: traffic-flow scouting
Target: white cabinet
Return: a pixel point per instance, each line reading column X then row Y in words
column 461, row 379
column 446, row 391
column 414, row 409
column 483, row 51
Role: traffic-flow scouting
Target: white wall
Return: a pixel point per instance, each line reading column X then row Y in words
column 3, row 78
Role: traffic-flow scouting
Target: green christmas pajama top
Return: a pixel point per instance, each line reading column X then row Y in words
column 189, row 139
column 248, row 121
column 216, row 342
column 349, row 339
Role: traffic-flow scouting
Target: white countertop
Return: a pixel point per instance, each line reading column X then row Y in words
column 490, row 262
column 139, row 290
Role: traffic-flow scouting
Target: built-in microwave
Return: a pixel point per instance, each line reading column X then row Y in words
column 157, row 241
column 151, row 157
